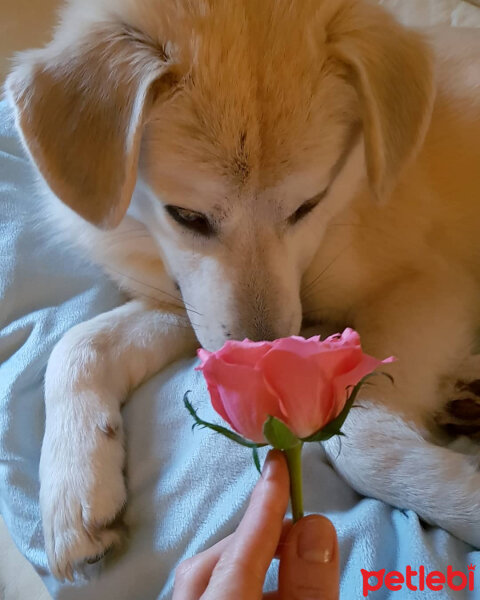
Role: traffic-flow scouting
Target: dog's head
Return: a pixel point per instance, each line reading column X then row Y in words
column 251, row 124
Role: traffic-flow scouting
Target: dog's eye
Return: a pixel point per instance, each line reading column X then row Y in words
column 190, row 219
column 306, row 207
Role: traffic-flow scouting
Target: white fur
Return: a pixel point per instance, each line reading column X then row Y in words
column 81, row 467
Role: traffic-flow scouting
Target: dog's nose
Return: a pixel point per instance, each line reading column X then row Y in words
column 263, row 335
column 264, row 332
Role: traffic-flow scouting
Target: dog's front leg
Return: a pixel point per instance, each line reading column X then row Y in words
column 427, row 323
column 89, row 374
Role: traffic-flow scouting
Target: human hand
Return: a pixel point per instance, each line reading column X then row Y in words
column 235, row 568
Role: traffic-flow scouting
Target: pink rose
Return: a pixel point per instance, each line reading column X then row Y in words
column 304, row 383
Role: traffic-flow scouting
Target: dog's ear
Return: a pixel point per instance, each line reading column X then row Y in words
column 81, row 108
column 391, row 69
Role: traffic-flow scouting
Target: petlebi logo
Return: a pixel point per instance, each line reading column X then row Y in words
column 418, row 580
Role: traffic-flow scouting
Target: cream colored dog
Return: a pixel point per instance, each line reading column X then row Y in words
column 241, row 167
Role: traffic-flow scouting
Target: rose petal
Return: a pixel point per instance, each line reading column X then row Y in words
column 217, row 401
column 333, row 362
column 336, row 354
column 367, row 365
column 299, row 345
column 349, row 337
column 306, row 398
column 203, row 355
column 243, row 353
column 241, row 397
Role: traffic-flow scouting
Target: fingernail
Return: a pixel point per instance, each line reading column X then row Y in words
column 316, row 541
column 269, row 465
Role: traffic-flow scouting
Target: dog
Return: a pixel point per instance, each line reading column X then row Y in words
column 240, row 170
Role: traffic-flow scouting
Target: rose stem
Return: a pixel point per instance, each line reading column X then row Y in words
column 294, row 461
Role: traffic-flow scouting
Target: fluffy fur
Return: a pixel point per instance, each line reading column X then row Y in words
column 244, row 112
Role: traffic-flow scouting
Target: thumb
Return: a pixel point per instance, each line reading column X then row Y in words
column 309, row 562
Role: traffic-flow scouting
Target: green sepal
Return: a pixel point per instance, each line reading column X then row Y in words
column 334, row 427
column 279, row 435
column 218, row 428
column 256, row 459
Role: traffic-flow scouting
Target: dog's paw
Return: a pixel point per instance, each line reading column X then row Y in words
column 82, row 497
column 460, row 414
column 71, row 541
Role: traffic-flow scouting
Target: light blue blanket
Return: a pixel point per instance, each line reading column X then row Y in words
column 186, row 490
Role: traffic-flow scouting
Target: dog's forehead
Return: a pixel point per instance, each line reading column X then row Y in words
column 261, row 99
column 260, row 94
column 249, row 126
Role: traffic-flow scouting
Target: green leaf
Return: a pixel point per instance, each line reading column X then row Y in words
column 279, row 435
column 334, row 427
column 218, row 428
